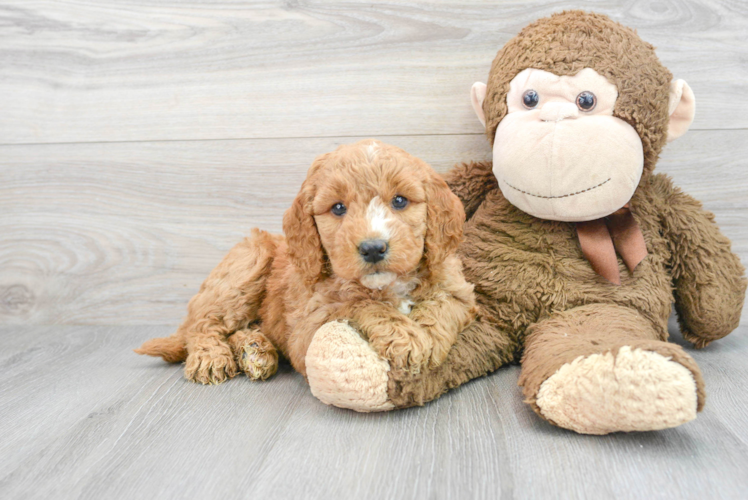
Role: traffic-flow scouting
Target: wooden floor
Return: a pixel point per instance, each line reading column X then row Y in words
column 83, row 417
column 140, row 140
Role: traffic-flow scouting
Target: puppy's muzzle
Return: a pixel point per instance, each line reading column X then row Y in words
column 372, row 251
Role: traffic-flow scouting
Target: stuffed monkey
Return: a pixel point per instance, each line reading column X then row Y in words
column 577, row 249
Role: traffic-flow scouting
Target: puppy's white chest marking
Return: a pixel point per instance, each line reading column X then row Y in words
column 405, row 306
column 379, row 218
column 402, row 289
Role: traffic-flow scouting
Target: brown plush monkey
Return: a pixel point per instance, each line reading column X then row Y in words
column 577, row 249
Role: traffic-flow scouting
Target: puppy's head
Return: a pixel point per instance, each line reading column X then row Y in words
column 374, row 212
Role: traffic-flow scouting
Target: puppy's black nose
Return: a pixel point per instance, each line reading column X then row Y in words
column 373, row 251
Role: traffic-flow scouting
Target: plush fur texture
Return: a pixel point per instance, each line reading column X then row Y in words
column 343, row 370
column 272, row 293
column 558, row 162
column 632, row 390
column 541, row 303
column 566, row 43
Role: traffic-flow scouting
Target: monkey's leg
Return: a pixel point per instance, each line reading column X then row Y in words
column 343, row 370
column 603, row 368
column 254, row 353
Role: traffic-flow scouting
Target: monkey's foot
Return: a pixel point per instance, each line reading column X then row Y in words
column 634, row 390
column 343, row 370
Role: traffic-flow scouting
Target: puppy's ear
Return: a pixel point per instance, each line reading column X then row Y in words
column 304, row 246
column 446, row 216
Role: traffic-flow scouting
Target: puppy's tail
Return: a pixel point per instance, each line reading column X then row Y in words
column 172, row 349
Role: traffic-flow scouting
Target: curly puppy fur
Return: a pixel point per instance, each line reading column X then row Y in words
column 272, row 293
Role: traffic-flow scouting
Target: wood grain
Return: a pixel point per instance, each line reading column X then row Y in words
column 81, row 416
column 84, row 71
column 125, row 233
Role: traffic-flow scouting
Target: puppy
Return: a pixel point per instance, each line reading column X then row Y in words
column 370, row 239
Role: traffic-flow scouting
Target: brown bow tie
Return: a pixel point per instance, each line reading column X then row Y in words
column 601, row 238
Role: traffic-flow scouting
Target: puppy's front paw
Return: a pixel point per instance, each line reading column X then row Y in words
column 439, row 353
column 442, row 342
column 407, row 346
column 210, row 366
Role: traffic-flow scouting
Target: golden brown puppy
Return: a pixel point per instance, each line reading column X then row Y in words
column 370, row 239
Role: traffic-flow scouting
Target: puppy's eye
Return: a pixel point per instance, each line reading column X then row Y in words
column 399, row 202
column 586, row 101
column 338, row 209
column 530, row 99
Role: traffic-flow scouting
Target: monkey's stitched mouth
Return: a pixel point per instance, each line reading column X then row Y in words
column 560, row 196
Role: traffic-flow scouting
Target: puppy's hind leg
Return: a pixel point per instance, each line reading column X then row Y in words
column 254, row 353
column 228, row 301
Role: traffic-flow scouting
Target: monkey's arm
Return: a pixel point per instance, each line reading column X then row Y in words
column 708, row 277
column 471, row 182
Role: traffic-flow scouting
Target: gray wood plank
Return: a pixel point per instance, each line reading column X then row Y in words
column 81, row 416
column 125, row 233
column 172, row 70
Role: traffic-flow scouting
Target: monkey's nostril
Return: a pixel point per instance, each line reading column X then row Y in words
column 373, row 251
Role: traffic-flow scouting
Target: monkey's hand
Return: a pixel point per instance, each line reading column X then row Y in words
column 709, row 278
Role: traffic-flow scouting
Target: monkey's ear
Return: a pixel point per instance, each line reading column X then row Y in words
column 477, row 95
column 681, row 107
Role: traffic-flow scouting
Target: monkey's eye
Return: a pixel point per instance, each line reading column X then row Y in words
column 530, row 99
column 399, row 202
column 338, row 209
column 586, row 101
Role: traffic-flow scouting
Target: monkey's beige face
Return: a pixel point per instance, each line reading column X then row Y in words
column 559, row 153
column 370, row 211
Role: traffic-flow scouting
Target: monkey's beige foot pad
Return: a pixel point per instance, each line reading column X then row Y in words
column 344, row 371
column 634, row 390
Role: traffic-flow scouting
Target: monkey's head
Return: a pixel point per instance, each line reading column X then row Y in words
column 578, row 108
